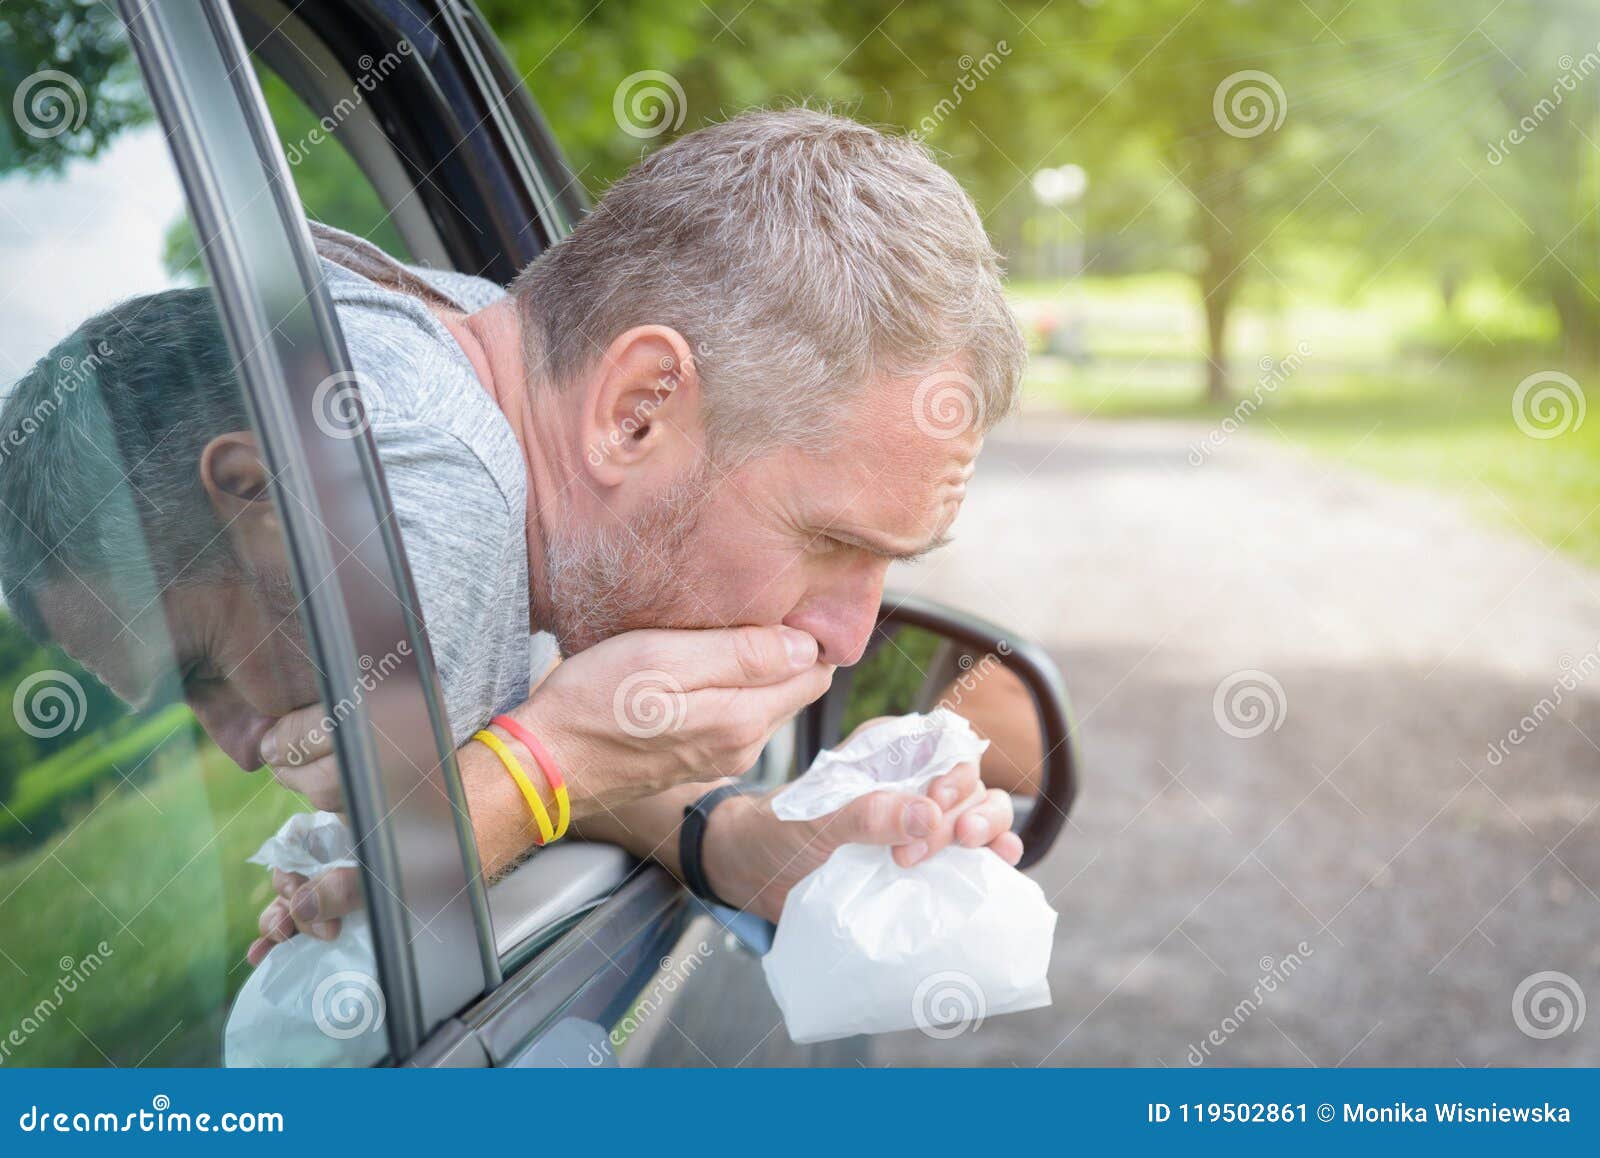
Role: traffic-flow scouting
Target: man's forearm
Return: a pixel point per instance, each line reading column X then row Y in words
column 647, row 828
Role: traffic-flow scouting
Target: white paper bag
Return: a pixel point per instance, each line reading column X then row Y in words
column 311, row 1002
column 865, row 946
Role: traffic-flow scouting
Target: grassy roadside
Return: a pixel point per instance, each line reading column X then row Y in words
column 1374, row 392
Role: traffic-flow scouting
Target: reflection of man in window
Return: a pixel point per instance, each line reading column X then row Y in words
column 136, row 528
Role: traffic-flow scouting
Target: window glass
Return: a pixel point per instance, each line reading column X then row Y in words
column 150, row 630
column 467, row 557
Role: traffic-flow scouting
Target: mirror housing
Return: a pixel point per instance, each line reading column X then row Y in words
column 976, row 644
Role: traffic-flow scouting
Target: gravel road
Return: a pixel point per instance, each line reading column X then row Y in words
column 1363, row 852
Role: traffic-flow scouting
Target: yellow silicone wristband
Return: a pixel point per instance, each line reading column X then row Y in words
column 541, row 814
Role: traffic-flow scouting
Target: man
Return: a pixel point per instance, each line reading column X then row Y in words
column 726, row 399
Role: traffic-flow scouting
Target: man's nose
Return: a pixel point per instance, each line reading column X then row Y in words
column 235, row 727
column 841, row 626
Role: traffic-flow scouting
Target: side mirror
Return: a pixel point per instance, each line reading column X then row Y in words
column 924, row 655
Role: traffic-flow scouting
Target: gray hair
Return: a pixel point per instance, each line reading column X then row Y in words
column 100, row 448
column 802, row 256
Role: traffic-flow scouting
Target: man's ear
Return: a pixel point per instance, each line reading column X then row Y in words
column 643, row 407
column 236, row 481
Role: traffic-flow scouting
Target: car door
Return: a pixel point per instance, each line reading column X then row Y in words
column 183, row 535
column 403, row 123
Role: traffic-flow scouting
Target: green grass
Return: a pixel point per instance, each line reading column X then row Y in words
column 156, row 871
column 1391, row 386
column 121, row 751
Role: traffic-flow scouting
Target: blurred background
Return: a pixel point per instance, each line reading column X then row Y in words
column 1301, row 493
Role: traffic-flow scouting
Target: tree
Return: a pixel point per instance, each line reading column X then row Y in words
column 71, row 80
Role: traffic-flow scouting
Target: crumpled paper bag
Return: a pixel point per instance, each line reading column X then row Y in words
column 311, row 1002
column 865, row 946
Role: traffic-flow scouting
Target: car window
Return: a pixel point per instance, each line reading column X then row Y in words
column 150, row 629
column 452, row 470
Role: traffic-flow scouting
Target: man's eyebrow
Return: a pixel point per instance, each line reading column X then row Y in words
column 886, row 552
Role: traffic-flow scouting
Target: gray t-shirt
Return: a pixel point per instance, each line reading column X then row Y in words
column 455, row 475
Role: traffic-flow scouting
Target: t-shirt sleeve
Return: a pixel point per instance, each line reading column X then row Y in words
column 458, row 532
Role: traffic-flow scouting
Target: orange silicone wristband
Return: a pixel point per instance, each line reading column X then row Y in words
column 547, row 764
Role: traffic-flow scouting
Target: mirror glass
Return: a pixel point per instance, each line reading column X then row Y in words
column 911, row 669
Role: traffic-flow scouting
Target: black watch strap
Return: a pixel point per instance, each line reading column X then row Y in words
column 692, row 840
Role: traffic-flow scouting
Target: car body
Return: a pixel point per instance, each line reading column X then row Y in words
column 581, row 956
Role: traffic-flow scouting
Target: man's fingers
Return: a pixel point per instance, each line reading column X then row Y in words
column 881, row 818
column 297, row 738
column 1008, row 847
column 317, row 906
column 257, row 953
column 955, row 786
column 979, row 819
column 317, row 781
column 728, row 657
column 275, row 923
column 981, row 823
column 758, row 710
column 286, row 884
